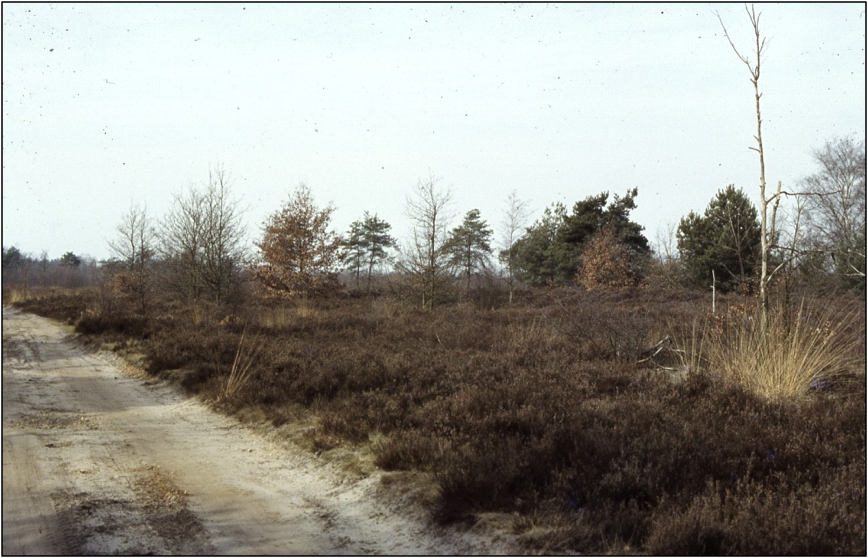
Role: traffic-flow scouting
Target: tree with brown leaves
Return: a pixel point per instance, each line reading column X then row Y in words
column 607, row 262
column 298, row 253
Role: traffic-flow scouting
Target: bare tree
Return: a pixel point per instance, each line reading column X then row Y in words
column 666, row 242
column 514, row 220
column 181, row 239
column 792, row 249
column 425, row 261
column 664, row 267
column 223, row 248
column 201, row 241
column 134, row 248
column 134, row 244
column 835, row 204
column 767, row 222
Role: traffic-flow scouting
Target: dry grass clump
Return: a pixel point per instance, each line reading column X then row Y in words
column 64, row 305
column 14, row 294
column 246, row 358
column 541, row 409
column 798, row 351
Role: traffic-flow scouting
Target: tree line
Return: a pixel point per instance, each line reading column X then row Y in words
column 197, row 250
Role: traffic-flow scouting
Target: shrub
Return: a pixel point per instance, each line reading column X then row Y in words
column 511, row 411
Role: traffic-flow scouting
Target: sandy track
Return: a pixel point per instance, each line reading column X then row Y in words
column 99, row 461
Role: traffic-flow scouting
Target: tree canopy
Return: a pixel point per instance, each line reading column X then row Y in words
column 425, row 262
column 366, row 245
column 70, row 260
column 835, row 210
column 552, row 248
column 725, row 240
column 469, row 245
column 298, row 253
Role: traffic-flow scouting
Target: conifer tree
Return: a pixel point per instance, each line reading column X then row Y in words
column 366, row 245
column 551, row 251
column 469, row 245
column 725, row 240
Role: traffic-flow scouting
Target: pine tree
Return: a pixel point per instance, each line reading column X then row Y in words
column 355, row 249
column 540, row 257
column 551, row 251
column 378, row 241
column 725, row 239
column 366, row 245
column 469, row 245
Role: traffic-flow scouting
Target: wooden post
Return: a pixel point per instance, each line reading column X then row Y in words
column 713, row 290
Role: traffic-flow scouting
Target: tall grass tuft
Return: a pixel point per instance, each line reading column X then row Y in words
column 16, row 293
column 242, row 368
column 796, row 353
column 283, row 314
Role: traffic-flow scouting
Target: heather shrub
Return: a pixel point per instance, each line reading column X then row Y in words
column 603, row 328
column 826, row 517
column 547, row 411
column 57, row 304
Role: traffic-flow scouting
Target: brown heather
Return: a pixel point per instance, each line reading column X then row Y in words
column 540, row 409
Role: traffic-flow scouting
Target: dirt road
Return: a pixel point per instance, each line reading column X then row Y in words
column 99, row 461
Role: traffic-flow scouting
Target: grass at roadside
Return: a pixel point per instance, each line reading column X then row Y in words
column 538, row 412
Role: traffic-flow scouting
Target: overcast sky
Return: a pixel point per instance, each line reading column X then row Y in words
column 105, row 105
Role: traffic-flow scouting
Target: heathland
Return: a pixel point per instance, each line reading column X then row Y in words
column 631, row 420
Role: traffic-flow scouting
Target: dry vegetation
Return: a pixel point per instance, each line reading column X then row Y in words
column 549, row 411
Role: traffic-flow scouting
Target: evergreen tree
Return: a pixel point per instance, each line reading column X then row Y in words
column 469, row 245
column 366, row 245
column 539, row 257
column 378, row 239
column 552, row 249
column 725, row 239
column 355, row 249
column 590, row 216
column 70, row 260
column 12, row 258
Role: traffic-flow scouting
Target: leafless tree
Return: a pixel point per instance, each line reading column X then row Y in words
column 181, row 239
column 666, row 241
column 767, row 214
column 134, row 244
column 134, row 248
column 223, row 249
column 835, row 205
column 425, row 261
column 664, row 268
column 514, row 220
column 201, row 241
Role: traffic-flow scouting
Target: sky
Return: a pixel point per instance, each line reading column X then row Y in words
column 110, row 105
